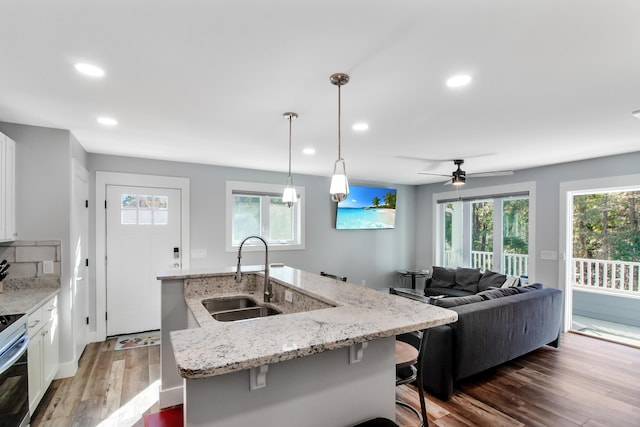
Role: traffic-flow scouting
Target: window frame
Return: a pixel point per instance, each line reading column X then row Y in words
column 484, row 193
column 263, row 189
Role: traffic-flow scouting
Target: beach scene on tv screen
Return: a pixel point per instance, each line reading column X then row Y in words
column 367, row 208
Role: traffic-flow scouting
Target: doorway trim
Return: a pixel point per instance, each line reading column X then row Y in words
column 127, row 179
column 567, row 190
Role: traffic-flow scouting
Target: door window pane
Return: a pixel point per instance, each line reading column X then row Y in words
column 144, row 209
column 129, row 201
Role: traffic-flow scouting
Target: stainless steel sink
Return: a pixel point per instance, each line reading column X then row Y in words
column 244, row 313
column 215, row 305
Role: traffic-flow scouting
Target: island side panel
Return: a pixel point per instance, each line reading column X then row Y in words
column 174, row 317
column 319, row 390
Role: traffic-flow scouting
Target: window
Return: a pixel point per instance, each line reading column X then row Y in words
column 255, row 209
column 484, row 231
column 144, row 209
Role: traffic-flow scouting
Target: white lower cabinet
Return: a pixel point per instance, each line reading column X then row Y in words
column 42, row 350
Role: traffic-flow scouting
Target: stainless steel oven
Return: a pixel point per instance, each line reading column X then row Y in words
column 14, row 380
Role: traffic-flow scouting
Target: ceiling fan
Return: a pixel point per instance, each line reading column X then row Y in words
column 458, row 176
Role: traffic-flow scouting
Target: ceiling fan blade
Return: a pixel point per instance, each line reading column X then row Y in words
column 493, row 173
column 435, row 174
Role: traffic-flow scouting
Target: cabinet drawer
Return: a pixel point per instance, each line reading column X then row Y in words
column 50, row 309
column 36, row 321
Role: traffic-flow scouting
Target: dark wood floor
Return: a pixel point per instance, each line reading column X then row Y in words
column 586, row 382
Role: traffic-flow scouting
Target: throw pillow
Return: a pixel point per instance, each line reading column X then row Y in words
column 491, row 279
column 497, row 293
column 455, row 301
column 467, row 279
column 511, row 281
column 442, row 277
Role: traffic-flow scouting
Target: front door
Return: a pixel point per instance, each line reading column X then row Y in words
column 143, row 237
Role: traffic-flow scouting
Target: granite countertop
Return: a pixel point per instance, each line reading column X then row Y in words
column 361, row 314
column 24, row 300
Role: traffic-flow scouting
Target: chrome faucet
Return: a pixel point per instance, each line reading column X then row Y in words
column 267, row 281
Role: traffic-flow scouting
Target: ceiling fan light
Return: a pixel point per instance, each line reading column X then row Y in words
column 458, row 180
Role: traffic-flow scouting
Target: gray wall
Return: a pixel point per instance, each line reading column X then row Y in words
column 370, row 255
column 547, row 213
column 43, row 203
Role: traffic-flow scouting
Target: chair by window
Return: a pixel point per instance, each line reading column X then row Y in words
column 333, row 276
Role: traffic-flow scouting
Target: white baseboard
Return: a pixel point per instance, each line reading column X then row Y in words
column 67, row 369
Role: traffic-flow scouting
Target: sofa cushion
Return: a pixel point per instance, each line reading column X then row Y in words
column 443, row 278
column 449, row 292
column 530, row 288
column 497, row 293
column 455, row 301
column 467, row 279
column 491, row 279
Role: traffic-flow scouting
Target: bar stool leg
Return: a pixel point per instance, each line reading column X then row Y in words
column 423, row 403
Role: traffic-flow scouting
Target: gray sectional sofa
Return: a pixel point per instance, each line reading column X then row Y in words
column 493, row 327
column 458, row 282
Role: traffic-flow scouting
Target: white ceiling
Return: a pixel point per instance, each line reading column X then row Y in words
column 208, row 81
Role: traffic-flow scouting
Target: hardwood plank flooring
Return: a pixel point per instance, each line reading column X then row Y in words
column 586, row 382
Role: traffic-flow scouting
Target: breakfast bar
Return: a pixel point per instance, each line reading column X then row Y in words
column 321, row 352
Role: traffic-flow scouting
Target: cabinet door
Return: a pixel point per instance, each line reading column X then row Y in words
column 50, row 351
column 10, row 189
column 7, row 188
column 3, row 221
column 34, row 357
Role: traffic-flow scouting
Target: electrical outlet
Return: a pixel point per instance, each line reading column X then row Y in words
column 364, row 282
column 47, row 267
column 288, row 296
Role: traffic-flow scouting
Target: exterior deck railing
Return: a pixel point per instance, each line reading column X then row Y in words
column 619, row 277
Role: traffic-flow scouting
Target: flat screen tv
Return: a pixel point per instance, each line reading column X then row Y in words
column 367, row 208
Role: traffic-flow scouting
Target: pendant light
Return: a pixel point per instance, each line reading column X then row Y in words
column 289, row 196
column 339, row 184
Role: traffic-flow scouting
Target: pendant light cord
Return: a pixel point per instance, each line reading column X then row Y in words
column 290, row 120
column 339, row 124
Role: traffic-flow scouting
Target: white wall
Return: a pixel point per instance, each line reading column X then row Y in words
column 370, row 255
column 547, row 213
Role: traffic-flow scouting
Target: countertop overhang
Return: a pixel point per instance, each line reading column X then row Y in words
column 362, row 314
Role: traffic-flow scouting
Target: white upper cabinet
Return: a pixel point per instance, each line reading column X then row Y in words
column 7, row 188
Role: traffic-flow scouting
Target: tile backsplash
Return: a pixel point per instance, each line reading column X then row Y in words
column 27, row 259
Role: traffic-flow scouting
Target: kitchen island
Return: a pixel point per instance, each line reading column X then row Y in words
column 327, row 359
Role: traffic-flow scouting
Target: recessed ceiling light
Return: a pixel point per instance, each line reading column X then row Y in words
column 107, row 121
column 636, row 114
column 457, row 81
column 89, row 70
column 360, row 127
column 309, row 150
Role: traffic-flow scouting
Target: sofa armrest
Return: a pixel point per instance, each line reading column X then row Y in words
column 437, row 362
